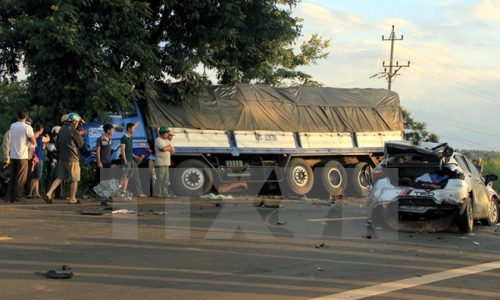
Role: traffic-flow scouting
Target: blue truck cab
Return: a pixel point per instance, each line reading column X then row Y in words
column 120, row 117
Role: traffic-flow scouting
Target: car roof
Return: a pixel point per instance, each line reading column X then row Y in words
column 408, row 147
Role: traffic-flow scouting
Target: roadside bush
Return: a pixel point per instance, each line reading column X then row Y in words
column 492, row 166
column 86, row 184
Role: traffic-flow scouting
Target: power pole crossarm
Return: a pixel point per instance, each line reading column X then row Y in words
column 392, row 74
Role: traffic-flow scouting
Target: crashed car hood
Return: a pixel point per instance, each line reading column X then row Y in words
column 425, row 148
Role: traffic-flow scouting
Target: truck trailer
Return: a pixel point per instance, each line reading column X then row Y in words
column 305, row 140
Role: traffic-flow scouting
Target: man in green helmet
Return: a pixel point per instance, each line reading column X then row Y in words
column 69, row 144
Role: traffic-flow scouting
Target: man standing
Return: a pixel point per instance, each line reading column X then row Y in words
column 104, row 146
column 69, row 144
column 20, row 134
column 129, row 165
column 164, row 148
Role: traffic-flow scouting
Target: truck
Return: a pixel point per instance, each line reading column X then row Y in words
column 304, row 140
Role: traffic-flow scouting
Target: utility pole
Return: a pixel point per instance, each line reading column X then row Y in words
column 391, row 75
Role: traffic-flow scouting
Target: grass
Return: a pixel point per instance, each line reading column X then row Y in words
column 492, row 166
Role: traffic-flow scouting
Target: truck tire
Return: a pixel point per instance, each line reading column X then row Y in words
column 360, row 186
column 191, row 177
column 299, row 177
column 331, row 179
column 465, row 221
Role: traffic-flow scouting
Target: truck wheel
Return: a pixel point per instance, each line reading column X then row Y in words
column 299, row 177
column 331, row 178
column 493, row 213
column 359, row 183
column 465, row 221
column 191, row 177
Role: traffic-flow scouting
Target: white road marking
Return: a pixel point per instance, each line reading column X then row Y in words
column 383, row 288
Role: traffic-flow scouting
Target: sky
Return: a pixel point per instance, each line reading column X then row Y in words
column 453, row 81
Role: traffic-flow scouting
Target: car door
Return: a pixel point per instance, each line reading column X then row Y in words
column 478, row 186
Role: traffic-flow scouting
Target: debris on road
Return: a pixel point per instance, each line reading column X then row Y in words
column 366, row 236
column 273, row 205
column 57, row 275
column 281, row 223
column 91, row 212
column 320, row 269
column 475, row 243
column 160, row 213
column 66, row 267
column 320, row 245
column 213, row 196
column 123, row 211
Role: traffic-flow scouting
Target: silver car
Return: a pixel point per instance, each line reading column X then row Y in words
column 430, row 182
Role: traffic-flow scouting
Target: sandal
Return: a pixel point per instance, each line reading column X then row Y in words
column 142, row 196
column 47, row 199
column 159, row 196
column 76, row 202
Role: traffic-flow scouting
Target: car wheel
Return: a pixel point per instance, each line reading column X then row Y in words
column 466, row 219
column 299, row 177
column 493, row 213
column 191, row 177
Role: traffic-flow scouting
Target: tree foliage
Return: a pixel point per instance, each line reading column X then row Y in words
column 85, row 55
column 417, row 131
column 12, row 97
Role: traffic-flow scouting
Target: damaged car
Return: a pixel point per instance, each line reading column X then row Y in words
column 430, row 182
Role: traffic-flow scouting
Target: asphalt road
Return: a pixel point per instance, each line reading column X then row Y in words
column 236, row 249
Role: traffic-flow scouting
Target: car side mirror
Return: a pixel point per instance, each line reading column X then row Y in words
column 490, row 178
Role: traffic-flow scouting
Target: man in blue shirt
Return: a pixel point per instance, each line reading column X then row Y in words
column 104, row 147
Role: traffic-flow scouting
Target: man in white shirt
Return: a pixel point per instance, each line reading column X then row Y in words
column 164, row 148
column 21, row 134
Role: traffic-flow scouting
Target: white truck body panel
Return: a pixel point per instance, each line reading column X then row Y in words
column 323, row 140
column 260, row 139
column 376, row 139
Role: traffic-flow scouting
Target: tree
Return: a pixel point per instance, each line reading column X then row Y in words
column 12, row 97
column 86, row 55
column 416, row 131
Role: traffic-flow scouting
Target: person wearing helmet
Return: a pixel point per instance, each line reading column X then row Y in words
column 82, row 131
column 69, row 144
column 163, row 148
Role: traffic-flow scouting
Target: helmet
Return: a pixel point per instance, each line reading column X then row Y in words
column 64, row 118
column 164, row 129
column 74, row 117
column 56, row 129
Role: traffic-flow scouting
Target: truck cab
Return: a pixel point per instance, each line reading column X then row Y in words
column 119, row 118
